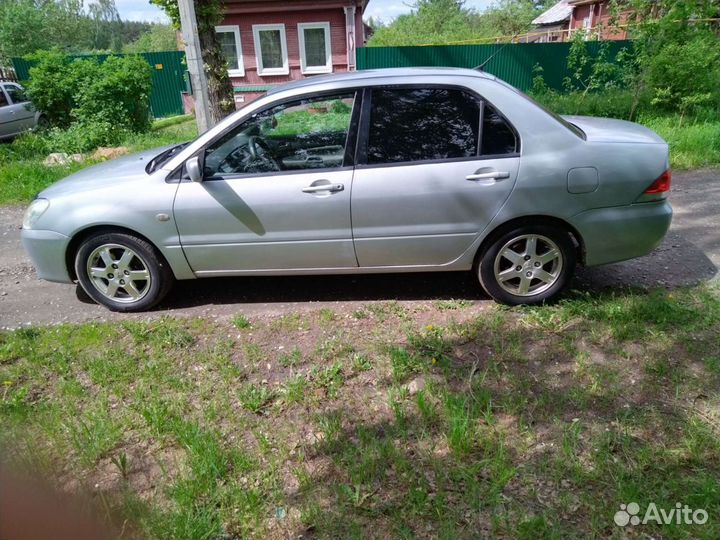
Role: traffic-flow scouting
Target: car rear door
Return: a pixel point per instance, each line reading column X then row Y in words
column 435, row 165
column 277, row 192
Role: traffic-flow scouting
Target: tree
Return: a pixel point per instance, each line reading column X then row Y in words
column 209, row 14
column 439, row 22
column 429, row 22
column 160, row 37
column 677, row 53
column 511, row 17
column 73, row 26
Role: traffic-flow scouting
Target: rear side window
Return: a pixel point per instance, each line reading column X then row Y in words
column 498, row 137
column 419, row 124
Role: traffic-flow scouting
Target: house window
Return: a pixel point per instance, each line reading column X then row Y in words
column 271, row 49
column 229, row 38
column 315, row 52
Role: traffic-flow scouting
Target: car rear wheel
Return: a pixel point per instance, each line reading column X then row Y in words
column 122, row 272
column 529, row 264
column 42, row 124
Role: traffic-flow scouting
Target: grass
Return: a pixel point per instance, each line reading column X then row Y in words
column 524, row 422
column 693, row 143
column 22, row 177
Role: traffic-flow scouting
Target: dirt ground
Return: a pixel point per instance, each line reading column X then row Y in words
column 689, row 254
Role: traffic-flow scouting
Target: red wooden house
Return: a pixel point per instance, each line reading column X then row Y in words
column 269, row 42
column 568, row 16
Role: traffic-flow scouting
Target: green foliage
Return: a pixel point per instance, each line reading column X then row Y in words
column 297, row 122
column 255, row 397
column 693, row 143
column 437, row 22
column 684, row 75
column 54, row 84
column 23, row 175
column 170, row 7
column 27, row 26
column 612, row 103
column 241, row 322
column 115, row 92
column 119, row 95
column 678, row 53
column 587, row 72
column 160, row 37
column 84, row 136
column 673, row 67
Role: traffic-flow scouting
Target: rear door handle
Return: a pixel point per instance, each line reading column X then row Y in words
column 492, row 175
column 332, row 188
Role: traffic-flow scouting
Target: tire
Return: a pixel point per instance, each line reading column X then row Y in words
column 122, row 272
column 528, row 264
column 42, row 124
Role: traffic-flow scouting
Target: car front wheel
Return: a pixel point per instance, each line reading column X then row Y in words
column 527, row 265
column 122, row 272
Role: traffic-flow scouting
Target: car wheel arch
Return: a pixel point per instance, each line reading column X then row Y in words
column 80, row 236
column 531, row 220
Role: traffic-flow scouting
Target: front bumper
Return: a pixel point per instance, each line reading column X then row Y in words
column 47, row 251
column 622, row 232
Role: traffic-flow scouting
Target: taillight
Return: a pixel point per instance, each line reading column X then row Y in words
column 661, row 185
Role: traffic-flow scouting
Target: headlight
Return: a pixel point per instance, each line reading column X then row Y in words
column 35, row 210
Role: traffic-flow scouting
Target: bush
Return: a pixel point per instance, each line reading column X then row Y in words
column 80, row 137
column 54, row 84
column 115, row 92
column 119, row 96
column 83, row 137
column 684, row 75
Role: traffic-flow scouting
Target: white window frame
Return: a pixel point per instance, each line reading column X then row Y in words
column 239, row 70
column 310, row 70
column 262, row 70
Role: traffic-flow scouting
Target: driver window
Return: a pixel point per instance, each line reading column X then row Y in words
column 304, row 134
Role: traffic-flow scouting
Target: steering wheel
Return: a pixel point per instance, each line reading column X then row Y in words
column 260, row 150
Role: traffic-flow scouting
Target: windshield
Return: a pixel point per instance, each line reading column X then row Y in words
column 162, row 158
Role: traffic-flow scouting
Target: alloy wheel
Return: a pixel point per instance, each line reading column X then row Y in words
column 528, row 265
column 118, row 273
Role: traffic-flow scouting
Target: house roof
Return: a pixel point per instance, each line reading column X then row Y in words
column 261, row 6
column 558, row 13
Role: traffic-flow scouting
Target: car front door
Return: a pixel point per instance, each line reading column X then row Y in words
column 276, row 193
column 21, row 110
column 6, row 115
column 434, row 167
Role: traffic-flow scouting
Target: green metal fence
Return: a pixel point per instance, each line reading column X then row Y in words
column 513, row 63
column 167, row 79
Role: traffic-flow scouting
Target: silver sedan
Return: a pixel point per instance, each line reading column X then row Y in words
column 398, row 170
column 17, row 113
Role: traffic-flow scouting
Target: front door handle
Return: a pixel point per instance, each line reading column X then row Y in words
column 332, row 188
column 492, row 175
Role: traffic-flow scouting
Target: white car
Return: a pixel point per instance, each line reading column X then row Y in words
column 17, row 113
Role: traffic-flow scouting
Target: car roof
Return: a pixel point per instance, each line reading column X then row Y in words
column 367, row 74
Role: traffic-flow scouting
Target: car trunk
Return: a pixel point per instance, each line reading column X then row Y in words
column 614, row 131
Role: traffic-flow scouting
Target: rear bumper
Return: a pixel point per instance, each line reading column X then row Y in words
column 47, row 251
column 622, row 232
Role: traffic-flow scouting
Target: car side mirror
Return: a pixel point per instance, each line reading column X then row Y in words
column 194, row 170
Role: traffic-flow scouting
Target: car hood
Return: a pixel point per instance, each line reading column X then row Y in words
column 612, row 130
column 108, row 173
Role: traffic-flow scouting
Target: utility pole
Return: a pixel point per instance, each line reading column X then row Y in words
column 193, row 54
